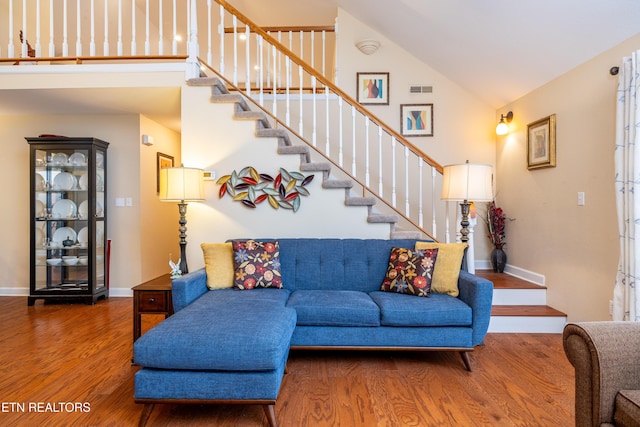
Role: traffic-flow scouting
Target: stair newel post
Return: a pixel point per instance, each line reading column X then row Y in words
column 193, row 69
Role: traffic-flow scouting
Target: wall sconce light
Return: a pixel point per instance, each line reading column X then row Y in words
column 503, row 127
column 368, row 46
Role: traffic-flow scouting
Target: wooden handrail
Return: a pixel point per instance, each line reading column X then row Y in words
column 308, row 29
column 294, row 58
column 280, row 123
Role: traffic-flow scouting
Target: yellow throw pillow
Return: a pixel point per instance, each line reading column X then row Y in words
column 218, row 263
column 447, row 268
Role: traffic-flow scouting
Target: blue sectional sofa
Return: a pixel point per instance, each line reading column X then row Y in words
column 230, row 345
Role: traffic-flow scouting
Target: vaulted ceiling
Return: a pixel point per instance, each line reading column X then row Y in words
column 498, row 49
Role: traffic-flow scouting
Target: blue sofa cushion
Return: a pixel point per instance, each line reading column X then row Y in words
column 334, row 308
column 226, row 334
column 336, row 264
column 407, row 310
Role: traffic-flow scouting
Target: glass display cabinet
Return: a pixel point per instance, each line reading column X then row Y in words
column 68, row 214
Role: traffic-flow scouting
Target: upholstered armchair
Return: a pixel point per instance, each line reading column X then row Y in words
column 606, row 358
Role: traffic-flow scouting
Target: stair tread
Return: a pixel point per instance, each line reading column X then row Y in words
column 507, row 281
column 526, row 310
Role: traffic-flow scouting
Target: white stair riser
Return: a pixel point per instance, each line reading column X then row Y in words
column 520, row 296
column 527, row 324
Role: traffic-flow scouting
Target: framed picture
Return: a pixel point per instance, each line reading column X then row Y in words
column 163, row 161
column 373, row 88
column 541, row 143
column 416, row 119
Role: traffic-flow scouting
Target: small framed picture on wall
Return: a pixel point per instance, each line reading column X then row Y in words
column 163, row 161
column 541, row 143
column 416, row 119
column 373, row 88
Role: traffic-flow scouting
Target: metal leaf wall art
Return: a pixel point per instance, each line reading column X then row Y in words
column 252, row 188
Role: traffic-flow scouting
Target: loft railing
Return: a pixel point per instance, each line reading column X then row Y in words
column 283, row 70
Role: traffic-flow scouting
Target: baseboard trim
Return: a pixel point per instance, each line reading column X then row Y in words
column 24, row 292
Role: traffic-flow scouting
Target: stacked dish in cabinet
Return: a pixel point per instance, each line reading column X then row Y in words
column 68, row 244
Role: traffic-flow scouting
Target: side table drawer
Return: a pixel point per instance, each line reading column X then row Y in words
column 150, row 301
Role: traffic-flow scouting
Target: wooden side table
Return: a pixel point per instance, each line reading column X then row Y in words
column 152, row 297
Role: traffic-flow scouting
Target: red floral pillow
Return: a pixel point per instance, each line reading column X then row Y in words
column 410, row 271
column 256, row 264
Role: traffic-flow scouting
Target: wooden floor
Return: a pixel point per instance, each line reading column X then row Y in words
column 70, row 365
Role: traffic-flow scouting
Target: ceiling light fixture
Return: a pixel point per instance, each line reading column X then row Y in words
column 368, row 46
column 503, row 127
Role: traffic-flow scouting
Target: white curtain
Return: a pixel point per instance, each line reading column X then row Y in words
column 626, row 303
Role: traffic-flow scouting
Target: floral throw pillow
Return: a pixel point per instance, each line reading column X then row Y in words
column 256, row 264
column 410, row 271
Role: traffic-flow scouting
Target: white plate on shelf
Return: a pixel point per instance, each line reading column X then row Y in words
column 59, row 159
column 63, row 234
column 99, row 210
column 64, row 181
column 39, row 237
column 99, row 160
column 39, row 182
column 77, row 159
column 83, row 210
column 40, row 209
column 99, row 186
column 84, row 182
column 83, row 235
column 64, row 208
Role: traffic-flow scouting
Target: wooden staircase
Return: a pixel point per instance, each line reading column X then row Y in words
column 521, row 306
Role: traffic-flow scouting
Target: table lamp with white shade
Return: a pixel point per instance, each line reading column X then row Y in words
column 182, row 185
column 467, row 182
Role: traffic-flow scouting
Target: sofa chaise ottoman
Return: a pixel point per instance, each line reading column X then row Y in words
column 307, row 294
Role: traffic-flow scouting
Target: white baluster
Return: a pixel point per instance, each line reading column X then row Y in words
column 434, row 223
column 287, row 66
column 406, row 180
column 174, row 42
column 161, row 28
column 380, row 187
column 24, row 48
column 119, row 45
column 447, row 224
column 105, row 45
column 275, row 81
column 193, row 49
column 278, row 58
column 336, row 56
column 92, row 42
column 313, row 49
column 301, row 81
column 268, row 62
column 261, row 68
column 420, row 216
column 314, row 111
column 222, row 36
column 340, row 136
column 235, row 50
column 10, row 47
column 78, row 30
column 353, row 140
column 38, row 45
column 147, row 43
column 326, row 120
column 65, row 43
column 393, row 172
column 366, row 151
column 52, row 46
column 134, row 47
column 247, row 66
column 324, row 52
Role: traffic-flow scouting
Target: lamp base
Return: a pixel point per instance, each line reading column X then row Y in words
column 182, row 208
column 465, row 208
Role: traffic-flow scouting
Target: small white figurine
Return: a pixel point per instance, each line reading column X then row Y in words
column 175, row 268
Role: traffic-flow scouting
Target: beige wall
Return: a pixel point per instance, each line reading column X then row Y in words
column 159, row 235
column 464, row 126
column 574, row 247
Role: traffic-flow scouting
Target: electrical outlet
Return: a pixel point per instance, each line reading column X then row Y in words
column 580, row 198
column 128, row 202
column 119, row 201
